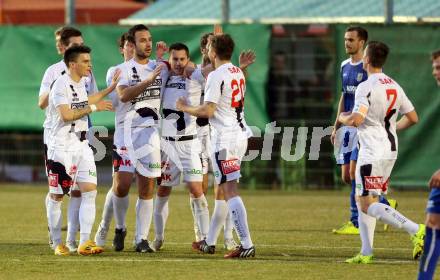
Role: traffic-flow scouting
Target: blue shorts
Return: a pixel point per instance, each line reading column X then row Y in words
column 434, row 202
column 347, row 149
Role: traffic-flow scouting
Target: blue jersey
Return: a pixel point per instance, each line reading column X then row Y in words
column 352, row 75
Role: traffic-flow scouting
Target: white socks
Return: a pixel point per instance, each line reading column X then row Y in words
column 202, row 215
column 367, row 225
column 107, row 212
column 217, row 221
column 54, row 219
column 144, row 215
column 161, row 212
column 87, row 212
column 239, row 218
column 120, row 207
column 392, row 217
column 73, row 218
column 196, row 226
column 229, row 227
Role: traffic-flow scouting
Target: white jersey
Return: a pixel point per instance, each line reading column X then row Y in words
column 120, row 108
column 144, row 109
column 379, row 99
column 67, row 136
column 226, row 87
column 178, row 123
column 202, row 123
column 51, row 74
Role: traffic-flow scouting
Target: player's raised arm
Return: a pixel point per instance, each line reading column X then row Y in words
column 95, row 98
column 246, row 59
column 127, row 93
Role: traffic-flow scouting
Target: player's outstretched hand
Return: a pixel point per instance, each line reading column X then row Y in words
column 115, row 79
column 104, row 105
column 161, row 49
column 434, row 182
column 246, row 58
column 207, row 69
column 189, row 69
column 152, row 76
column 181, row 104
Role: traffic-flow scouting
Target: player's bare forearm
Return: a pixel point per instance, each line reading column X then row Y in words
column 407, row 120
column 127, row 94
column 43, row 100
column 351, row 119
column 203, row 111
column 69, row 115
column 95, row 98
column 337, row 122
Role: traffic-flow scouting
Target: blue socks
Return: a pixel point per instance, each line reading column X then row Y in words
column 430, row 255
column 353, row 207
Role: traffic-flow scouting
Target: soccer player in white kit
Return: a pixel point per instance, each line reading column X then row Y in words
column 224, row 100
column 65, row 37
column 126, row 48
column 140, row 86
column 180, row 145
column 70, row 158
column 378, row 101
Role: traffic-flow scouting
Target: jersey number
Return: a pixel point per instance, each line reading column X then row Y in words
column 391, row 93
column 237, row 89
column 390, row 112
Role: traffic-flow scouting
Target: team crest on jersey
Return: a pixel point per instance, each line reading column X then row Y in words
column 359, row 77
column 230, row 166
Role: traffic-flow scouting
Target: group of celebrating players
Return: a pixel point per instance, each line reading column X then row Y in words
column 173, row 119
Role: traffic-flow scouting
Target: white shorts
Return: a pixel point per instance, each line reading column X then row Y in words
column 205, row 145
column 66, row 167
column 372, row 177
column 226, row 156
column 181, row 157
column 144, row 151
column 121, row 161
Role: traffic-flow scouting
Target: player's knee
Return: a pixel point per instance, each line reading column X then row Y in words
column 75, row 193
column 56, row 197
column 163, row 191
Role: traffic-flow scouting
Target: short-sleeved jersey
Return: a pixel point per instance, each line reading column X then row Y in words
column 67, row 135
column 379, row 99
column 145, row 107
column 352, row 74
column 226, row 87
column 51, row 74
column 178, row 123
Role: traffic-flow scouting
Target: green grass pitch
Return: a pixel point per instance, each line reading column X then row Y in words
column 291, row 232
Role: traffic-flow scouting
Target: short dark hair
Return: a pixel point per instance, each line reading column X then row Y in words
column 179, row 47
column 377, row 52
column 435, row 54
column 122, row 40
column 73, row 52
column 362, row 33
column 132, row 32
column 204, row 39
column 68, row 32
column 223, row 46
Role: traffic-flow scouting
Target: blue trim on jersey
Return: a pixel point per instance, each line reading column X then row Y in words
column 351, row 77
column 434, row 201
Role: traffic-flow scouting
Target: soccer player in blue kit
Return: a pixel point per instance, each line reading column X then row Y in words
column 344, row 138
column 431, row 252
